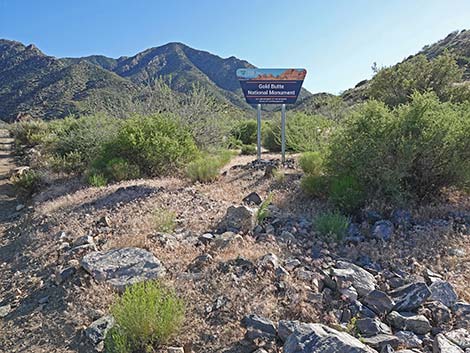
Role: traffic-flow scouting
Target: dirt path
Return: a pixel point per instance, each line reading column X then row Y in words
column 7, row 195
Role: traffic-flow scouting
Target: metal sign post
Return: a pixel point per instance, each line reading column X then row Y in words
column 271, row 86
column 283, row 133
column 258, row 149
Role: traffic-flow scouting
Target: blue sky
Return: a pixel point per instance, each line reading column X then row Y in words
column 337, row 41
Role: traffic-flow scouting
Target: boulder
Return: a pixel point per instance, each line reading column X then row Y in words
column 379, row 302
column 410, row 296
column 123, row 267
column 287, row 327
column 443, row 292
column 461, row 311
column 442, row 345
column 239, row 219
column 318, row 338
column 409, row 339
column 460, row 337
column 371, row 327
column 97, row 331
column 361, row 280
column 380, row 341
column 418, row 324
column 440, row 314
column 258, row 323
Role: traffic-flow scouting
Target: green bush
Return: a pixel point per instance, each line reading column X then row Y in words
column 315, row 185
column 409, row 153
column 303, row 133
column 96, row 179
column 311, row 163
column 395, row 85
column 346, row 193
column 248, row 150
column 263, row 210
column 207, row 167
column 147, row 315
column 332, row 226
column 29, row 132
column 156, row 145
column 27, row 182
column 120, row 169
column 164, row 220
column 245, row 131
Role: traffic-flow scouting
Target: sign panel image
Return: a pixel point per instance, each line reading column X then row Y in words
column 271, row 86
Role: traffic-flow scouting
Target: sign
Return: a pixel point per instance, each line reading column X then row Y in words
column 271, row 86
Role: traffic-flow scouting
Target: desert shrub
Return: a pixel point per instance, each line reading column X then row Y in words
column 303, row 133
column 245, row 131
column 156, row 145
column 207, row 167
column 118, row 169
column 311, row 163
column 29, row 132
column 332, row 226
column 147, row 315
column 96, row 179
column 164, row 220
column 279, row 175
column 77, row 141
column 27, row 182
column 248, row 149
column 407, row 153
column 395, row 85
column 315, row 185
column 263, row 211
column 346, row 193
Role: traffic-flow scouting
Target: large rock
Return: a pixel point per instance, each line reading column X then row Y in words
column 371, row 327
column 462, row 314
column 288, row 327
column 409, row 339
column 382, row 340
column 361, row 280
column 443, row 292
column 442, row 345
column 122, row 267
column 379, row 302
column 410, row 296
column 252, row 199
column 418, row 324
column 258, row 323
column 460, row 337
column 318, row 338
column 239, row 219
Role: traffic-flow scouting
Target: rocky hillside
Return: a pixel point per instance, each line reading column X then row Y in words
column 398, row 283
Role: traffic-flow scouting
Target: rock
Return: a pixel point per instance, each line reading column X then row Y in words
column 371, row 327
column 260, row 350
column 201, row 261
column 65, row 274
column 387, row 349
column 5, row 310
column 269, row 260
column 442, row 345
column 457, row 252
column 443, row 292
column 96, row 332
column 418, row 324
column 175, row 350
column 440, row 314
column 252, row 199
column 361, row 280
column 408, row 339
column 225, row 239
column 372, row 216
column 257, row 322
column 460, row 337
column 379, row 302
column 318, row 338
column 431, row 276
column 287, row 327
column 83, row 240
column 44, row 300
column 349, row 293
column 382, row 230
column 291, row 264
column 206, row 238
column 240, row 219
column 122, row 267
column 410, row 296
column 19, row 207
column 462, row 314
column 380, row 341
column 361, row 311
column 105, row 221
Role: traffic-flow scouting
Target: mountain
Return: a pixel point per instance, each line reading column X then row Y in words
column 42, row 86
